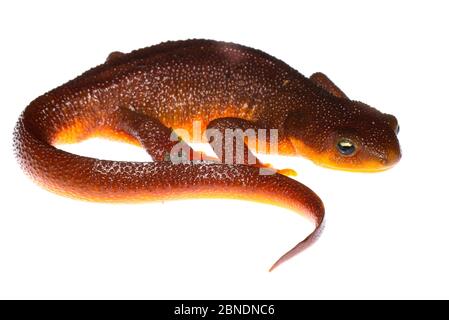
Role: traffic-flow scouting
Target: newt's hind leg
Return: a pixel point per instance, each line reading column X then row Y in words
column 158, row 140
column 231, row 140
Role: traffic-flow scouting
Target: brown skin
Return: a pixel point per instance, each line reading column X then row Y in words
column 138, row 97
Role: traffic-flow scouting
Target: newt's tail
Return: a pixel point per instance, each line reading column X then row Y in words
column 118, row 181
column 304, row 244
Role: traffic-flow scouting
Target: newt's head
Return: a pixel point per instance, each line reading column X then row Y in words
column 345, row 134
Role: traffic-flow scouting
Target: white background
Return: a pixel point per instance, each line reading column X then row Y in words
column 386, row 234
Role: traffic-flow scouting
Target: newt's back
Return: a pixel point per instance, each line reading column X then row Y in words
column 178, row 82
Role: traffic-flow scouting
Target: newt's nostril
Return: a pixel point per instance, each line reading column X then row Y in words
column 391, row 158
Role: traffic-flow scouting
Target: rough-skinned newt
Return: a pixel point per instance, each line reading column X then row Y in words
column 139, row 97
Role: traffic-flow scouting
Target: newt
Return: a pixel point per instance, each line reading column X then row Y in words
column 139, row 97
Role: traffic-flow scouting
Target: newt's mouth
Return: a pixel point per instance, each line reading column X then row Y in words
column 368, row 167
column 356, row 164
column 363, row 166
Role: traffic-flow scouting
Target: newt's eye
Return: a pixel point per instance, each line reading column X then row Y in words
column 346, row 147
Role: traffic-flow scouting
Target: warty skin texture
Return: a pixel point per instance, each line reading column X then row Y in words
column 138, row 97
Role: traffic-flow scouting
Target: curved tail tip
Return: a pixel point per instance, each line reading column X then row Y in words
column 284, row 257
column 304, row 244
column 277, row 263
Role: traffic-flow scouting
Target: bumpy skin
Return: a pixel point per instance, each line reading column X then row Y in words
column 139, row 96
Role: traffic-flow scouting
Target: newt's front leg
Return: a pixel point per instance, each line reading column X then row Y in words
column 323, row 81
column 231, row 140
